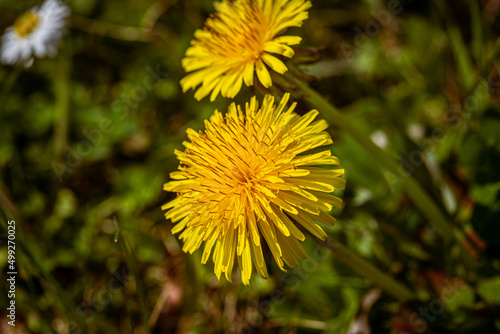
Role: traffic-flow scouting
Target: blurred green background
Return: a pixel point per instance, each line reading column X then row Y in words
column 87, row 141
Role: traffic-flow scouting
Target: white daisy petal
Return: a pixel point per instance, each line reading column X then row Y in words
column 36, row 33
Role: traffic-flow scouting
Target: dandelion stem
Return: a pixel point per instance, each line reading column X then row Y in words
column 366, row 269
column 421, row 199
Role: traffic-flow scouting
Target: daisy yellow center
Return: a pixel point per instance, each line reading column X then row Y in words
column 26, row 24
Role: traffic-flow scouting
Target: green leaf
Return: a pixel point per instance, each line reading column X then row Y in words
column 489, row 290
column 461, row 296
column 485, row 194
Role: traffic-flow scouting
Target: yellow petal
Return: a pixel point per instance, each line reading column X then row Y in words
column 274, row 63
column 263, row 74
column 248, row 74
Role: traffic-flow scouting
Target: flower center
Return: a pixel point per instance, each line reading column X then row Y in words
column 238, row 39
column 242, row 177
column 26, row 23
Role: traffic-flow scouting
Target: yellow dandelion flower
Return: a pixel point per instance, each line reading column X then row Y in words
column 237, row 41
column 248, row 176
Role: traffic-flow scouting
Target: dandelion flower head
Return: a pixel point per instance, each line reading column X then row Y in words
column 37, row 32
column 241, row 38
column 247, row 181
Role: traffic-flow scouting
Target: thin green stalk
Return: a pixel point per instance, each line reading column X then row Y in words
column 9, row 81
column 68, row 306
column 477, row 32
column 366, row 269
column 413, row 189
column 465, row 66
column 488, row 63
column 140, row 287
column 62, row 94
column 126, row 33
column 45, row 323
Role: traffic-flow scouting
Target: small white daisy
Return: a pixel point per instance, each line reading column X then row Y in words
column 35, row 33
